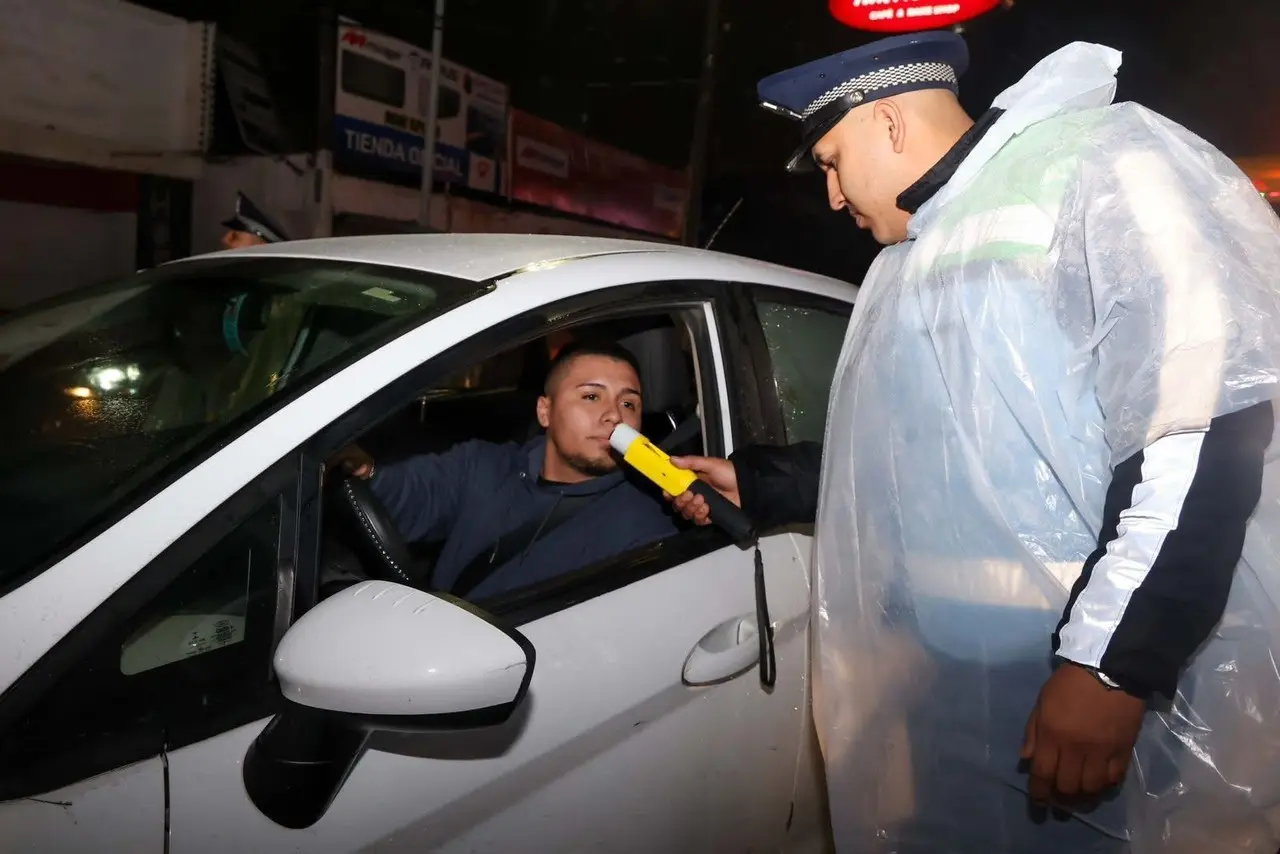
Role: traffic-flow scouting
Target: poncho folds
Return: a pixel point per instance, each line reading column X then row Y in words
column 1047, row 433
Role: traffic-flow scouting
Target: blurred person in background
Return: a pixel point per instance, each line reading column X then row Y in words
column 249, row 226
column 221, row 336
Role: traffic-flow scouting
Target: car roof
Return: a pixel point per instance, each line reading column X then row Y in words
column 480, row 257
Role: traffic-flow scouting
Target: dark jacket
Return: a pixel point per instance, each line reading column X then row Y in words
column 476, row 492
column 779, row 485
column 1183, row 593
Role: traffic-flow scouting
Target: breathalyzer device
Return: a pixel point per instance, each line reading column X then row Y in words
column 650, row 460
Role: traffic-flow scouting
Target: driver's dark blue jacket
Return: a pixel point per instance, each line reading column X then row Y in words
column 476, row 492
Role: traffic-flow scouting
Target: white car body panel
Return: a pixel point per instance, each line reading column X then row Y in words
column 604, row 758
column 475, row 257
column 119, row 811
column 612, row 752
column 478, row 257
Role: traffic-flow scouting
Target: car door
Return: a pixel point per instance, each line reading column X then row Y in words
column 795, row 337
column 613, row 750
column 181, row 651
column 85, row 816
column 150, row 510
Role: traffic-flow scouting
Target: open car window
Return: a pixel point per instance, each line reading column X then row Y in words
column 492, row 401
column 109, row 386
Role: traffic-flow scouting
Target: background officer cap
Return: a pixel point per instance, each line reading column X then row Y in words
column 820, row 93
column 249, row 218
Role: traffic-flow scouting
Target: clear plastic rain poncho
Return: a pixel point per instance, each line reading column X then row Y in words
column 1094, row 277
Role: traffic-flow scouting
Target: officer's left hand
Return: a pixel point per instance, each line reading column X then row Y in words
column 1080, row 736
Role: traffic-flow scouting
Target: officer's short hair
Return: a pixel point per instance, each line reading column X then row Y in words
column 576, row 350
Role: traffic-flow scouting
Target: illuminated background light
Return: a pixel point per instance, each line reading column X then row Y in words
column 904, row 16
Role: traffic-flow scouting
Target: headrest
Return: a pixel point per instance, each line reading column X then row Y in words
column 212, row 322
column 665, row 378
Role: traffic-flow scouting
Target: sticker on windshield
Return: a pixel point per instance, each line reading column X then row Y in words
column 382, row 294
column 179, row 636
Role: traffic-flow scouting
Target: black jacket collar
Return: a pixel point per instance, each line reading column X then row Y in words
column 914, row 197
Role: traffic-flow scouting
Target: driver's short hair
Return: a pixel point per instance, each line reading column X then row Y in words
column 576, row 350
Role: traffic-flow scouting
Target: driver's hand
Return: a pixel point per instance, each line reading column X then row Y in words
column 353, row 461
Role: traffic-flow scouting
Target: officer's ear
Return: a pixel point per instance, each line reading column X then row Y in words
column 544, row 412
column 889, row 117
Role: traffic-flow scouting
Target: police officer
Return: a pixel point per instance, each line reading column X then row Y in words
column 250, row 226
column 1039, row 532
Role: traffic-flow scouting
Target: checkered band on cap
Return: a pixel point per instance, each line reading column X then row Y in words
column 261, row 229
column 898, row 75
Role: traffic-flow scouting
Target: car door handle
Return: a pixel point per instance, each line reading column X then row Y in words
column 728, row 650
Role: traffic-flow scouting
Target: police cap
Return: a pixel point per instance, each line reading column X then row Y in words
column 819, row 94
column 249, row 218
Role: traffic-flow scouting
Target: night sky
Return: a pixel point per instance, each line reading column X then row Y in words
column 626, row 71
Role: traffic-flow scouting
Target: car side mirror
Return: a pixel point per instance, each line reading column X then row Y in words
column 399, row 658
column 377, row 656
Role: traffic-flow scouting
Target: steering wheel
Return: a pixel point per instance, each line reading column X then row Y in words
column 390, row 557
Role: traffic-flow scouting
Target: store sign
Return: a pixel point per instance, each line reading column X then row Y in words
column 381, row 101
column 555, row 168
column 904, row 16
column 378, row 152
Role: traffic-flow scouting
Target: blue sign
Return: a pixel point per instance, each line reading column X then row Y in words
column 382, row 153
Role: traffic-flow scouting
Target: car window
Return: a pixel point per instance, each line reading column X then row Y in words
column 804, row 345
column 109, row 386
column 200, row 646
column 479, row 534
column 503, row 372
column 210, row 605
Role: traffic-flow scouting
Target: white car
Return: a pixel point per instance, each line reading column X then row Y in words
column 175, row 675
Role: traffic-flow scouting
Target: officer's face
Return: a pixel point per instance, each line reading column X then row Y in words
column 240, row 239
column 861, row 158
column 592, row 395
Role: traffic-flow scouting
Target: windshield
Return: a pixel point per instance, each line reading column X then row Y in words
column 106, row 388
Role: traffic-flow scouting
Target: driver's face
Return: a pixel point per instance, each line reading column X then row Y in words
column 240, row 239
column 595, row 394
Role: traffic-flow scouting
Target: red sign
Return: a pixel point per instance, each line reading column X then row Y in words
column 904, row 16
column 556, row 168
column 1264, row 172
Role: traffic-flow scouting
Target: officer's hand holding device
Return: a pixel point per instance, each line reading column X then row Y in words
column 654, row 464
column 716, row 471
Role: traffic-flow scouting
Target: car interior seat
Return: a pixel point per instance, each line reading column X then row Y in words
column 666, row 377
